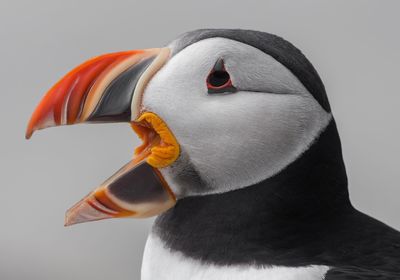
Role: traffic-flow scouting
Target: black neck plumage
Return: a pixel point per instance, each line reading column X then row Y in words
column 267, row 223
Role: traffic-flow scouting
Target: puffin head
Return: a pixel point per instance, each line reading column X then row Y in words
column 217, row 110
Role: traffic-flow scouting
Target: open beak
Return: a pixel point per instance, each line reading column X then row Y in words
column 109, row 88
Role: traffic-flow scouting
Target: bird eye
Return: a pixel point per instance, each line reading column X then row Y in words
column 219, row 80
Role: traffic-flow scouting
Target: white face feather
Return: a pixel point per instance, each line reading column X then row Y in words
column 232, row 140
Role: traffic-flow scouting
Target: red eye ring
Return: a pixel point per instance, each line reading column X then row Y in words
column 219, row 80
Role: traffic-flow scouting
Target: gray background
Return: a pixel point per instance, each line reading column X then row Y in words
column 353, row 44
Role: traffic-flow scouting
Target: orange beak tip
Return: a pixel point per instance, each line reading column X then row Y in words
column 28, row 134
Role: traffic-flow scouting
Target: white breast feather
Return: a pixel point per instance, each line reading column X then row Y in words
column 160, row 263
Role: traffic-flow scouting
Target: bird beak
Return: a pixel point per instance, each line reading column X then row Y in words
column 109, row 88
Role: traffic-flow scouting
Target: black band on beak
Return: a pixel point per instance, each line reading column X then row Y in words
column 115, row 104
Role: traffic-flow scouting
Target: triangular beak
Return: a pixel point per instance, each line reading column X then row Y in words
column 106, row 88
column 137, row 190
column 109, row 88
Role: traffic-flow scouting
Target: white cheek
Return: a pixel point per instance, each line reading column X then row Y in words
column 234, row 145
column 233, row 140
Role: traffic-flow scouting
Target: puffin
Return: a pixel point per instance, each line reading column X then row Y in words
column 240, row 161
